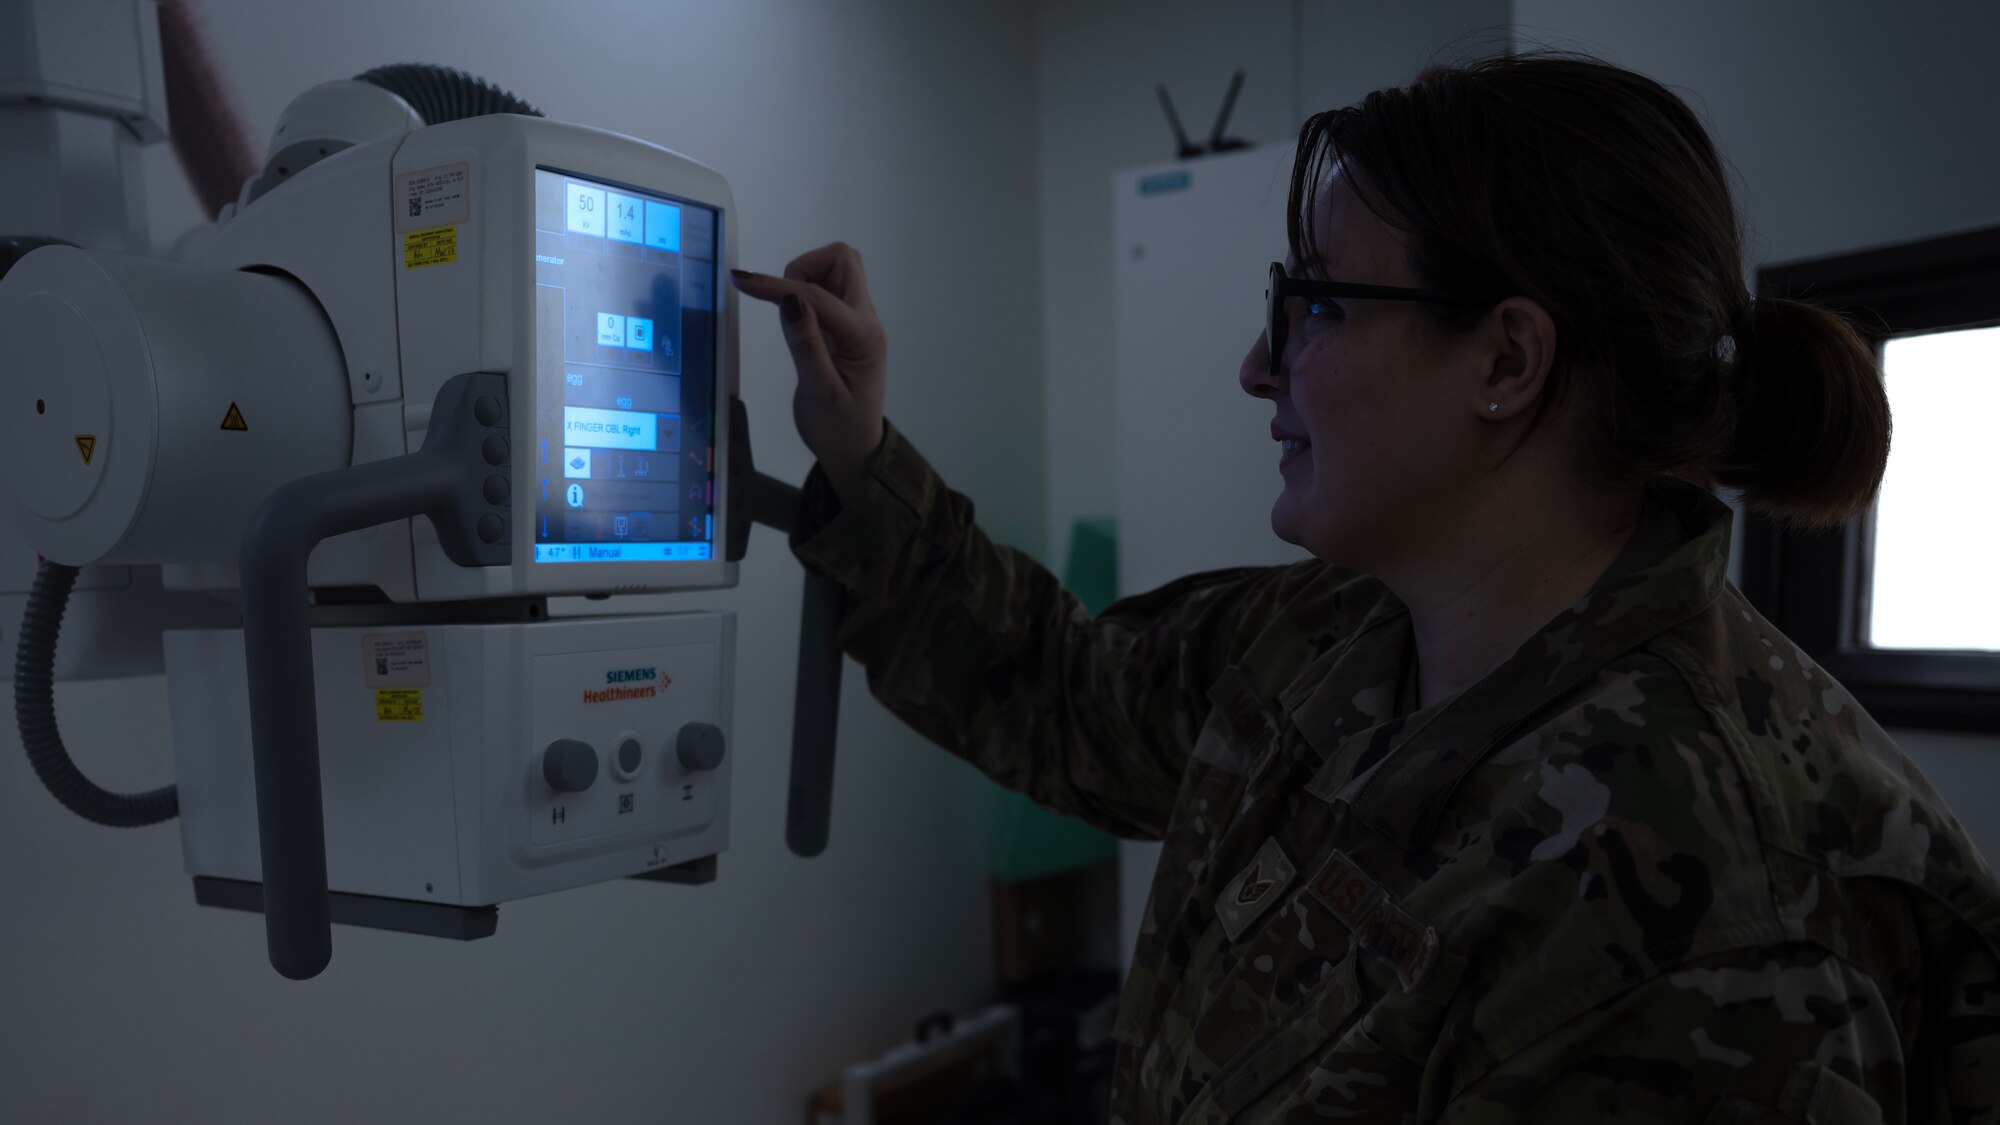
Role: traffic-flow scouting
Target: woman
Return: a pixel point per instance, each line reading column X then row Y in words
column 1506, row 806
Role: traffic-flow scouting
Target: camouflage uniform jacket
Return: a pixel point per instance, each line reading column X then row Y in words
column 1657, row 866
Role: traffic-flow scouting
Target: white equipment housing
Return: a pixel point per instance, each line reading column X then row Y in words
column 454, row 808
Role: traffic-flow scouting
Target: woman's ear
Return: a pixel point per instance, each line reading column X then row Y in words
column 1521, row 342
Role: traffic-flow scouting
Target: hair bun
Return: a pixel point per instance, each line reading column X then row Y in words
column 1810, row 437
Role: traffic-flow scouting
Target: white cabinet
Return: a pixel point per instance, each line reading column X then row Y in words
column 1197, row 469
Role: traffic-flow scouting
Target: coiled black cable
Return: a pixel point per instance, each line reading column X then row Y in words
column 440, row 94
column 35, row 713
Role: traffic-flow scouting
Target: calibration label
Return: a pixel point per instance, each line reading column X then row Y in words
column 396, row 660
column 430, row 248
column 399, row 705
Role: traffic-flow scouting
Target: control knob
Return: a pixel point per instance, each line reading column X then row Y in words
column 699, row 746
column 569, row 766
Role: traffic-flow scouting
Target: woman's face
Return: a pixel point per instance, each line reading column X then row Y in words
column 1372, row 407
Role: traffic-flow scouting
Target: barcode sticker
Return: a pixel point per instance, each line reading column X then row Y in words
column 396, row 660
column 434, row 197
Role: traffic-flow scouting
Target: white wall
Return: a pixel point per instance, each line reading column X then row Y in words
column 906, row 128
column 1848, row 125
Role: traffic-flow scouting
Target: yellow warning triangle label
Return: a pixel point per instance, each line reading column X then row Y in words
column 234, row 420
column 86, row 444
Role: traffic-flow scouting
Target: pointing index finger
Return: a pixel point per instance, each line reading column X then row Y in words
column 836, row 268
column 761, row 286
column 835, row 316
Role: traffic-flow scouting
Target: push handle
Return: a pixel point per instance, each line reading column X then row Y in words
column 815, row 718
column 467, row 442
column 756, row 498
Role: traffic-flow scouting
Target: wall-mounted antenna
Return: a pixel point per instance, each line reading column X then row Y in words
column 1216, row 141
column 1189, row 150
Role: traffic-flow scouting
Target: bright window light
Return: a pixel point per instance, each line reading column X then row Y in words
column 1937, row 521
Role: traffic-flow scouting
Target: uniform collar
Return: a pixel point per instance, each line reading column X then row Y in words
column 1398, row 772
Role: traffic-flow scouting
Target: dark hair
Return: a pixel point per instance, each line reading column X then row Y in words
column 1596, row 192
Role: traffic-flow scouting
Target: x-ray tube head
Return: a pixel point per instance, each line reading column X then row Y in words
column 151, row 404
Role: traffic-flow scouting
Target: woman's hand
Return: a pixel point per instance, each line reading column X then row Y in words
column 840, row 352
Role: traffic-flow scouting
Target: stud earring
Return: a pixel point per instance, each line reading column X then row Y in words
column 1492, row 406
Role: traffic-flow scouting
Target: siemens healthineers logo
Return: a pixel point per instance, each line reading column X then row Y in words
column 647, row 683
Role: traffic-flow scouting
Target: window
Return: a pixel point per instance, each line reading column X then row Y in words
column 1934, row 549
column 1902, row 606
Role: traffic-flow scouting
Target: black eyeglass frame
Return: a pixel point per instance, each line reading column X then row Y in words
column 1282, row 287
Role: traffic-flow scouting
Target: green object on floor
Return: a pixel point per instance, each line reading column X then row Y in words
column 1093, row 564
column 1030, row 841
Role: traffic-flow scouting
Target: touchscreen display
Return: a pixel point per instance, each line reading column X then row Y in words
column 625, row 304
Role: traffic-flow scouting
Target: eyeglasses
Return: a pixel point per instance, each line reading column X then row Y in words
column 1283, row 287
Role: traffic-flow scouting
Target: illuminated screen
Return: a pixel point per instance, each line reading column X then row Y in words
column 625, row 336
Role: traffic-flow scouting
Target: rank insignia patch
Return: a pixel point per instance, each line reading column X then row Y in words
column 1254, row 889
